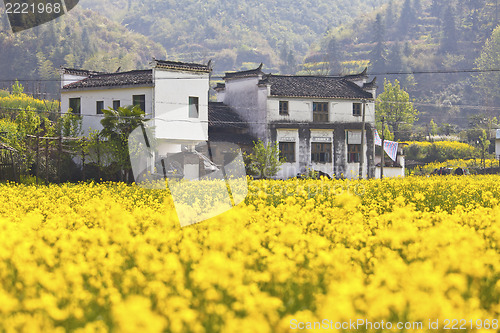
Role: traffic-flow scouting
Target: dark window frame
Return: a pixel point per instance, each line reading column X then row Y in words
column 321, row 152
column 320, row 112
column 116, row 104
column 356, row 109
column 99, row 106
column 139, row 100
column 287, row 151
column 194, row 107
column 76, row 109
column 353, row 153
column 283, row 108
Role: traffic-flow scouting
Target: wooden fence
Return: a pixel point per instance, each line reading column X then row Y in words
column 49, row 153
column 8, row 163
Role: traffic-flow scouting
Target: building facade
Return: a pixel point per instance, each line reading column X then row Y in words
column 174, row 94
column 315, row 120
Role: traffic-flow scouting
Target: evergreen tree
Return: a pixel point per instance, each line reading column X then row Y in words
column 284, row 57
column 449, row 32
column 395, row 58
column 333, row 56
column 417, row 9
column 291, row 63
column 378, row 54
column 407, row 18
column 389, row 15
column 436, row 8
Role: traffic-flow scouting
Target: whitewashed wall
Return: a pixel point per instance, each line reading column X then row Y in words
column 497, row 148
column 249, row 100
column 171, row 99
column 390, row 172
column 352, row 169
column 289, row 169
column 301, row 110
column 88, row 99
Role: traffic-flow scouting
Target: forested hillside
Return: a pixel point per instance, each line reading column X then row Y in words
column 288, row 36
column 81, row 39
column 421, row 36
column 233, row 33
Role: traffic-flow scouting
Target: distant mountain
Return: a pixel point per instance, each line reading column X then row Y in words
column 236, row 34
column 81, row 39
column 416, row 36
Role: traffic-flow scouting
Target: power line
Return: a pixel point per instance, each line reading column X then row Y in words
column 447, row 71
column 444, row 71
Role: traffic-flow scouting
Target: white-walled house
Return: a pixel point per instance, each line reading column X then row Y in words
column 316, row 120
column 175, row 94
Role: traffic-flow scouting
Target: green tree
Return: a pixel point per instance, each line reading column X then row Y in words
column 333, row 55
column 68, row 125
column 17, row 89
column 117, row 126
column 487, row 81
column 264, row 161
column 407, row 18
column 389, row 15
column 395, row 106
column 449, row 38
column 433, row 128
column 378, row 54
column 395, row 58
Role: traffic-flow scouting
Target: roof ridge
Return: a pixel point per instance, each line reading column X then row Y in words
column 182, row 65
column 126, row 72
column 257, row 70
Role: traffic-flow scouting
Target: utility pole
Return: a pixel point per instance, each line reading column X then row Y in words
column 362, row 156
column 383, row 151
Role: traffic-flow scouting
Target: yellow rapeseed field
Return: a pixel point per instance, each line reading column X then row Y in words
column 112, row 257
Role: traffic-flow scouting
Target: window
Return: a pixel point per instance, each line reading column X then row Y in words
column 193, row 107
column 284, row 108
column 75, row 105
column 140, row 101
column 116, row 105
column 353, row 153
column 287, row 151
column 99, row 105
column 356, row 109
column 320, row 111
column 321, row 152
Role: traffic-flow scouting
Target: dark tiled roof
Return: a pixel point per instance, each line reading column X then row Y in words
column 252, row 72
column 79, row 72
column 220, row 86
column 222, row 115
column 137, row 77
column 314, row 86
column 371, row 85
column 182, row 66
column 359, row 76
